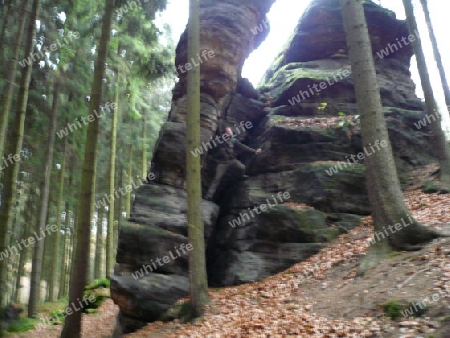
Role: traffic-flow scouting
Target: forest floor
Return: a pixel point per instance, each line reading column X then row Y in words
column 322, row 296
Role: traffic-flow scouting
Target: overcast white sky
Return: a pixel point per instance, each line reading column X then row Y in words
column 284, row 16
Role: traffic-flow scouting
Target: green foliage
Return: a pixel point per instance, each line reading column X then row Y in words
column 346, row 125
column 323, row 105
column 96, row 290
column 98, row 284
column 392, row 309
column 22, row 325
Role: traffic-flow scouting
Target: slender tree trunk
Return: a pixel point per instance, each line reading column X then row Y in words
column 118, row 209
column 6, row 16
column 45, row 192
column 24, row 253
column 129, row 182
column 11, row 69
column 72, row 324
column 440, row 143
column 385, row 196
column 56, row 262
column 197, row 263
column 437, row 54
column 110, row 257
column 99, row 246
column 65, row 247
column 144, row 147
column 15, row 145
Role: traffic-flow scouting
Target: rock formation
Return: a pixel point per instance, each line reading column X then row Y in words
column 304, row 141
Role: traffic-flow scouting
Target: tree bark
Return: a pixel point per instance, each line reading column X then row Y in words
column 15, row 145
column 11, row 70
column 437, row 54
column 72, row 324
column 197, row 263
column 110, row 257
column 56, row 262
column 44, row 201
column 440, row 143
column 64, row 249
column 99, row 246
column 129, row 182
column 385, row 196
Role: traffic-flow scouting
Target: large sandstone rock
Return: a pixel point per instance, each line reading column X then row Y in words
column 305, row 150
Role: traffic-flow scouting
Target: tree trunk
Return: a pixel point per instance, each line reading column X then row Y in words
column 11, row 70
column 130, row 182
column 45, row 192
column 110, row 257
column 57, row 237
column 28, row 220
column 99, row 246
column 440, row 143
column 72, row 324
column 437, row 54
column 64, row 249
column 14, row 147
column 144, row 147
column 385, row 196
column 197, row 263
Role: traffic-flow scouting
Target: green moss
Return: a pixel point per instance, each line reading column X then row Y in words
column 393, row 254
column 430, row 187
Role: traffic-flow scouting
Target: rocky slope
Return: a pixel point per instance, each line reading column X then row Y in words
column 310, row 194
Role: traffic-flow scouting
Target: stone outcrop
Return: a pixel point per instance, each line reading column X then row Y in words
column 304, row 143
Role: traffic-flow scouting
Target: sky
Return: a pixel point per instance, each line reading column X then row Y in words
column 284, row 16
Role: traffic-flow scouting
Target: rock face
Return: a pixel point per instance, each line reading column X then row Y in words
column 301, row 191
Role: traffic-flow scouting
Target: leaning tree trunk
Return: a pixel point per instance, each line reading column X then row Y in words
column 437, row 54
column 385, row 196
column 44, row 201
column 15, row 145
column 11, row 70
column 197, row 262
column 440, row 143
column 72, row 325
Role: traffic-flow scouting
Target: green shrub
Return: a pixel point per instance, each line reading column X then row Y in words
column 22, row 325
column 392, row 309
